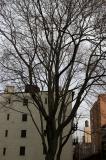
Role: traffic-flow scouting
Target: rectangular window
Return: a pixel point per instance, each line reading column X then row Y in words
column 23, row 133
column 6, row 133
column 9, row 100
column 45, row 100
column 25, row 102
column 24, row 117
column 4, row 151
column 8, row 116
column 22, row 150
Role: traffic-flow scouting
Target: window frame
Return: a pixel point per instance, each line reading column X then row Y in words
column 45, row 100
column 23, row 133
column 6, row 133
column 25, row 102
column 8, row 117
column 22, row 151
column 4, row 151
column 24, row 117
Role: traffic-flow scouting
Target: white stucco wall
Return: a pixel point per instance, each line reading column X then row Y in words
column 14, row 125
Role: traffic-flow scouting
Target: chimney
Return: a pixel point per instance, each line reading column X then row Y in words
column 9, row 89
column 31, row 88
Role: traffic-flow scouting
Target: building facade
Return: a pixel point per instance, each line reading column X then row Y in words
column 98, row 120
column 85, row 148
column 19, row 138
column 87, row 133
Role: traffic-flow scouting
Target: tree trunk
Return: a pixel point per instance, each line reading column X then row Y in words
column 51, row 151
column 50, row 156
column 52, row 140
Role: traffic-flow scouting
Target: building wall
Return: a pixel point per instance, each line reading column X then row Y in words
column 98, row 119
column 12, row 104
column 14, row 125
column 95, row 127
column 103, row 110
column 87, row 134
column 85, row 150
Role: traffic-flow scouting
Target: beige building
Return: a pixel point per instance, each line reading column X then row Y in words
column 19, row 138
column 87, row 133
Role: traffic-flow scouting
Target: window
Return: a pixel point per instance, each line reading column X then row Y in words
column 24, row 117
column 23, row 133
column 8, row 116
column 25, row 102
column 9, row 100
column 6, row 133
column 4, row 151
column 22, row 150
column 45, row 100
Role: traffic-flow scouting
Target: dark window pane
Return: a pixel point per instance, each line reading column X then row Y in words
column 9, row 100
column 45, row 100
column 22, row 150
column 4, row 151
column 23, row 133
column 8, row 116
column 6, row 133
column 25, row 102
column 24, row 117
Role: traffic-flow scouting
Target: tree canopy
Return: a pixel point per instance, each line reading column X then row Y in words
column 60, row 46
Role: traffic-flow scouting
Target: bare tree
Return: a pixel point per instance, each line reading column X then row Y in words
column 58, row 45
